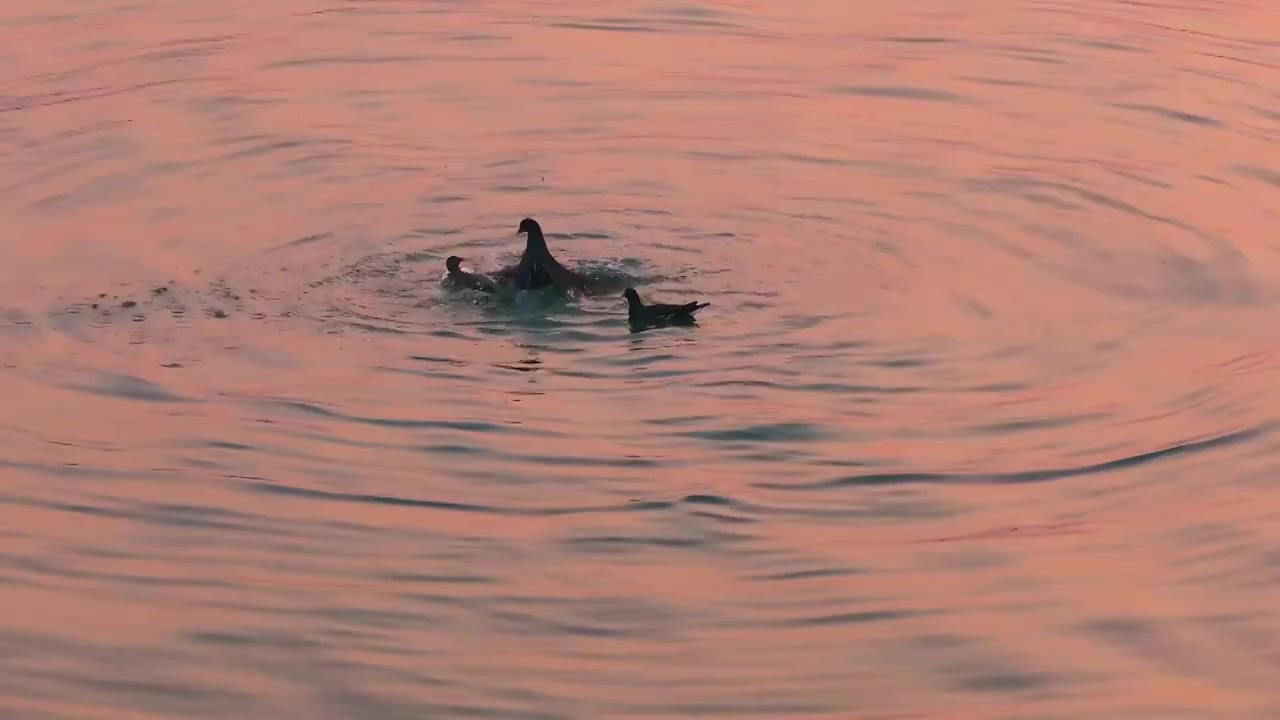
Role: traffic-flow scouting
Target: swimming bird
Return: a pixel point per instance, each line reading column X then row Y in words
column 525, row 275
column 659, row 313
column 537, row 264
column 475, row 281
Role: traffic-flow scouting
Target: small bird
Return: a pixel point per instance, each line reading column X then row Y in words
column 659, row 313
column 465, row 279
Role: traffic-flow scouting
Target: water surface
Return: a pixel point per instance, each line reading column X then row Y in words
column 981, row 422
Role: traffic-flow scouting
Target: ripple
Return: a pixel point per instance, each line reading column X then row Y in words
column 460, row 425
column 350, row 60
column 611, row 26
column 902, row 93
column 129, row 387
column 260, row 460
column 870, row 616
column 1034, row 476
column 1172, row 114
column 279, row 489
column 1271, row 177
column 778, row 432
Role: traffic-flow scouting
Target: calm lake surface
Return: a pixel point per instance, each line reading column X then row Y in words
column 981, row 422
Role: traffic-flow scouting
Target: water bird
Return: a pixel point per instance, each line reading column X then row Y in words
column 461, row 277
column 524, row 275
column 659, row 313
column 538, row 267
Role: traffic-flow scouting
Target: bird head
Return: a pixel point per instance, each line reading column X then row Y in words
column 534, row 242
column 454, row 263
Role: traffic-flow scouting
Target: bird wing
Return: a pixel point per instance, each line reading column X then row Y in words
column 524, row 271
column 475, row 281
column 563, row 278
column 671, row 309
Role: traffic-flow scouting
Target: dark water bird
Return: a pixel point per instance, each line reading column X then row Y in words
column 538, row 267
column 462, row 278
column 524, row 275
column 659, row 313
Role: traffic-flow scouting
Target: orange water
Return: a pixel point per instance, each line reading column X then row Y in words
column 980, row 422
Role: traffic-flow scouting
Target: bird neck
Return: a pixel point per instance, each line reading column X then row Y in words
column 536, row 241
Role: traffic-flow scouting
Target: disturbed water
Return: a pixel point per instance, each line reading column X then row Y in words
column 980, row 423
